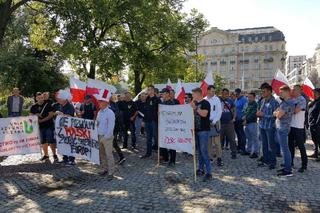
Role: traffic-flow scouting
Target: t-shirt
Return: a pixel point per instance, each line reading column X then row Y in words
column 202, row 123
column 240, row 103
column 285, row 121
column 227, row 107
column 175, row 101
column 89, row 110
column 67, row 109
column 298, row 119
column 151, row 109
column 43, row 110
column 128, row 108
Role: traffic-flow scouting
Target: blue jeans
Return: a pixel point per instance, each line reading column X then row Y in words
column 202, row 139
column 152, row 132
column 14, row 114
column 253, row 145
column 283, row 141
column 269, row 146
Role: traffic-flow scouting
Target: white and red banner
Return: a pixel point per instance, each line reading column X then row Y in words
column 206, row 82
column 77, row 137
column 77, row 89
column 180, row 93
column 19, row 135
column 308, row 88
column 176, row 129
column 278, row 81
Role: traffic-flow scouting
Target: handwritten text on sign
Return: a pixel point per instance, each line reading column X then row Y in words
column 19, row 135
column 176, row 127
column 77, row 137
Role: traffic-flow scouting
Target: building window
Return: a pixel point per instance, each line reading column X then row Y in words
column 266, row 47
column 270, row 38
column 256, row 38
column 233, row 50
column 249, row 39
column 263, row 38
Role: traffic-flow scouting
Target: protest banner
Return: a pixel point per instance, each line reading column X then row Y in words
column 19, row 135
column 176, row 129
column 77, row 137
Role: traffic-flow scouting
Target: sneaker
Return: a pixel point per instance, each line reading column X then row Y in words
column 254, row 155
column 122, row 160
column 124, row 147
column 109, row 177
column 302, row 169
column 171, row 164
column 285, row 173
column 55, row 159
column 44, row 158
column 71, row 163
column 207, row 177
column 314, row 155
column 280, row 170
column 219, row 162
column 199, row 172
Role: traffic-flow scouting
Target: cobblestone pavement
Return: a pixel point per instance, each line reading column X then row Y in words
column 140, row 186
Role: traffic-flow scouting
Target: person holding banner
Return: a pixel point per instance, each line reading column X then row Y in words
column 45, row 114
column 202, row 110
column 106, row 123
column 64, row 107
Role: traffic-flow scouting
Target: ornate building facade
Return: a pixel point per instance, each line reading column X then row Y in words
column 244, row 57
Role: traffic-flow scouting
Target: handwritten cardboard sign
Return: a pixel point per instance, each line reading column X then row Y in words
column 176, row 127
column 77, row 137
column 19, row 135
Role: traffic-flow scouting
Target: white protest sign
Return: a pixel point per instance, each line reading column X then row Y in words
column 176, row 127
column 19, row 135
column 77, row 137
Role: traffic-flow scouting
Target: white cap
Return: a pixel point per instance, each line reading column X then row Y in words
column 64, row 94
column 104, row 95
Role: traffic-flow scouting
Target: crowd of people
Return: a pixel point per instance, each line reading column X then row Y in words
column 263, row 128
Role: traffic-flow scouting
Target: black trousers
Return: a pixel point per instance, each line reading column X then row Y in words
column 239, row 129
column 315, row 135
column 129, row 127
column 168, row 155
column 297, row 138
column 116, row 138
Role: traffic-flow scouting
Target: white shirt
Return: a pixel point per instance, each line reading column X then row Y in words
column 216, row 108
column 298, row 119
column 106, row 122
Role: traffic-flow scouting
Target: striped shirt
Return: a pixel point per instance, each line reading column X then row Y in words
column 268, row 107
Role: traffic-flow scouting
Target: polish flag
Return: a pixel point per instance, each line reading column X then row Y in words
column 206, row 82
column 169, row 84
column 77, row 89
column 308, row 88
column 278, row 81
column 180, row 93
column 95, row 86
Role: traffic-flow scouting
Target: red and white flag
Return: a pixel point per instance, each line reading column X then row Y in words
column 180, row 93
column 77, row 89
column 169, row 84
column 206, row 82
column 308, row 88
column 95, row 86
column 278, row 81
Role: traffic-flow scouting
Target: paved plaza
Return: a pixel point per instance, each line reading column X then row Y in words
column 140, row 186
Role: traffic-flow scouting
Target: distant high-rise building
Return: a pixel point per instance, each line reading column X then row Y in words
column 244, row 57
column 295, row 68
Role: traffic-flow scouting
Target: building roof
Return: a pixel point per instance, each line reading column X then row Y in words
column 255, row 30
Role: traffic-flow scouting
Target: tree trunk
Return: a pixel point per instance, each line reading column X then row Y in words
column 5, row 13
column 137, row 82
column 92, row 71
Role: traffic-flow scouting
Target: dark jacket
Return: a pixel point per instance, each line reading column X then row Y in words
column 10, row 103
column 314, row 114
column 250, row 112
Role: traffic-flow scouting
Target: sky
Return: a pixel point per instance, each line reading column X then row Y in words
column 299, row 20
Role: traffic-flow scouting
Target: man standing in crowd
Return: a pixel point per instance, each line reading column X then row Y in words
column 251, row 126
column 15, row 103
column 227, row 120
column 314, row 123
column 141, row 104
column 168, row 155
column 297, row 136
column 129, row 115
column 65, row 108
column 240, row 102
column 215, row 115
column 45, row 114
column 172, row 96
column 267, row 127
column 105, row 122
column 151, row 120
column 88, row 110
column 116, row 131
column 187, row 98
column 46, row 97
column 284, row 116
column 202, row 110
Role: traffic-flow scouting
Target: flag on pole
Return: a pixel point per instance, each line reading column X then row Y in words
column 145, row 90
column 206, row 82
column 278, row 81
column 95, row 86
column 308, row 88
column 169, row 84
column 180, row 93
column 77, row 89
